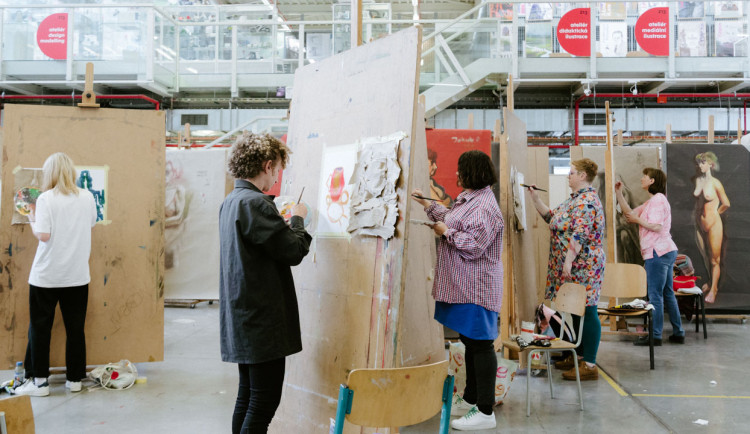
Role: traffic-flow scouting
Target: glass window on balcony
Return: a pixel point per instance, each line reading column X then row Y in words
column 198, row 42
column 255, row 42
column 123, row 34
column 20, row 34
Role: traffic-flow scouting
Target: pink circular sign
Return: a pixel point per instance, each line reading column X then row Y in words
column 652, row 31
column 52, row 36
column 574, row 32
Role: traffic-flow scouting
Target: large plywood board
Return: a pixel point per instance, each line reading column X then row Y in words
column 195, row 189
column 364, row 302
column 125, row 317
column 520, row 291
column 630, row 162
column 539, row 174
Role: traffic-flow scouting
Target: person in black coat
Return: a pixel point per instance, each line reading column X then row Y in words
column 259, row 317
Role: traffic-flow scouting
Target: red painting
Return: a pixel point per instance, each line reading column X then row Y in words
column 443, row 149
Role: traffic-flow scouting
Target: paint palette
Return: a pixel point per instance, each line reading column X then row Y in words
column 25, row 199
column 285, row 204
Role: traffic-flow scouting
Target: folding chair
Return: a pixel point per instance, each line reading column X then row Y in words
column 628, row 281
column 396, row 397
column 570, row 299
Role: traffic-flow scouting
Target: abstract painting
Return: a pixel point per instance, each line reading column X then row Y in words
column 334, row 190
column 94, row 179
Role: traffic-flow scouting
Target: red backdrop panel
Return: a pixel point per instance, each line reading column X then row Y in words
column 443, row 149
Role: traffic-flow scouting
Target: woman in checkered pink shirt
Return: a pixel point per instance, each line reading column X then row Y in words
column 654, row 220
column 468, row 286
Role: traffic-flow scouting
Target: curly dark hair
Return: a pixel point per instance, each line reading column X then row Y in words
column 251, row 151
column 475, row 170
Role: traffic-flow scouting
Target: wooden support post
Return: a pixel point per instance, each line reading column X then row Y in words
column 609, row 186
column 88, row 99
column 619, row 137
column 510, row 93
column 711, row 130
column 184, row 141
column 668, row 138
column 496, row 132
column 470, row 122
column 356, row 15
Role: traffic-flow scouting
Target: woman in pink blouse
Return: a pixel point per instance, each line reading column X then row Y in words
column 654, row 218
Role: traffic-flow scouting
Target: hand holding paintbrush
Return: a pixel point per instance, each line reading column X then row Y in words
column 533, row 187
column 299, row 208
column 423, row 200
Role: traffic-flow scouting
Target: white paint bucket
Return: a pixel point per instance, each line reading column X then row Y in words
column 527, row 331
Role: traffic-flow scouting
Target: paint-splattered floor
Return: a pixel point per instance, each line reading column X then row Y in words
column 192, row 391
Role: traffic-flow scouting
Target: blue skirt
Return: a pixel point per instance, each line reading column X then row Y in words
column 470, row 320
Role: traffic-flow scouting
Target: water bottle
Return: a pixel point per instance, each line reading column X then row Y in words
column 20, row 374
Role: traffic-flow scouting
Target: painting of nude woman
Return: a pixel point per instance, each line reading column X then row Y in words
column 708, row 188
column 711, row 203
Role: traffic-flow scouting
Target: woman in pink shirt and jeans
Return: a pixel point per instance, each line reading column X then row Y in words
column 659, row 252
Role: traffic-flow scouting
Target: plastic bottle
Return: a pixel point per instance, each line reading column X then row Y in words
column 20, row 374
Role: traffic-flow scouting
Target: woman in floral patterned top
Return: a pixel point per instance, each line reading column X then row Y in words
column 576, row 254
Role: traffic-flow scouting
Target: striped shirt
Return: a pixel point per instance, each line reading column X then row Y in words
column 656, row 210
column 469, row 268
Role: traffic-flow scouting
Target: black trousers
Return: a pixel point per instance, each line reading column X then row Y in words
column 73, row 304
column 481, row 371
column 258, row 397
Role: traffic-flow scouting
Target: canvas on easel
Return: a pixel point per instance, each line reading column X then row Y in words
column 125, row 318
column 364, row 300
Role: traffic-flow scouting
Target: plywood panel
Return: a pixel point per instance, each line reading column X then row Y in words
column 539, row 174
column 520, row 248
column 19, row 417
column 364, row 302
column 125, row 317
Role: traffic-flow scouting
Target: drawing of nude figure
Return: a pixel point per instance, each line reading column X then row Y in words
column 711, row 202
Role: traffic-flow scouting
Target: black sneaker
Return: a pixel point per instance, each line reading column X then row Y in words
column 643, row 342
column 676, row 339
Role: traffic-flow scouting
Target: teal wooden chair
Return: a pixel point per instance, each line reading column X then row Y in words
column 396, row 397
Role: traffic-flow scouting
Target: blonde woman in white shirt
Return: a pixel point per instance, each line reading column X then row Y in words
column 61, row 220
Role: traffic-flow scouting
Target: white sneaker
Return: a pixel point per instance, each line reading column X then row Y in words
column 474, row 420
column 459, row 407
column 31, row 389
column 74, row 386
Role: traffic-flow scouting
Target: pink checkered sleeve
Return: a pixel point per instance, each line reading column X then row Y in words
column 436, row 212
column 480, row 229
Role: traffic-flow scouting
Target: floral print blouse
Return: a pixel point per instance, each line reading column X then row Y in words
column 580, row 217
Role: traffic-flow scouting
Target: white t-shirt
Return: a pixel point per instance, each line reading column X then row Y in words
column 63, row 260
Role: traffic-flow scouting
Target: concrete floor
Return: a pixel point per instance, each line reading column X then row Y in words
column 192, row 391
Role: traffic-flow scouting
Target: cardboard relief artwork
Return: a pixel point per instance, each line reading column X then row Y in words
column 374, row 202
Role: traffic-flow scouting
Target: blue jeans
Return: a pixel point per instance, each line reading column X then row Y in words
column 661, row 294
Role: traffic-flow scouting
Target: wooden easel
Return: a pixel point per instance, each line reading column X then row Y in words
column 184, row 141
column 88, row 100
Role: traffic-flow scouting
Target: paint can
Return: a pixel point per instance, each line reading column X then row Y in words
column 527, row 331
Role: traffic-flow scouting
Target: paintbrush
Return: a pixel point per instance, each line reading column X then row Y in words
column 300, row 195
column 535, row 188
column 422, row 197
